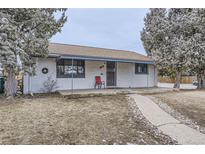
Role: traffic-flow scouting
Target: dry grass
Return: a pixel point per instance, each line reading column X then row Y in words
column 189, row 103
column 57, row 120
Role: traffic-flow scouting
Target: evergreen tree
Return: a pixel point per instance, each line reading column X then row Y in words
column 197, row 46
column 25, row 33
column 168, row 38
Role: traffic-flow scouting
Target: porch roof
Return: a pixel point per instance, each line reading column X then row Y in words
column 66, row 51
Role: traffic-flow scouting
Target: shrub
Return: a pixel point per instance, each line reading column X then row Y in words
column 49, row 85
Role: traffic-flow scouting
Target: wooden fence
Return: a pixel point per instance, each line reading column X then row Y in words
column 184, row 79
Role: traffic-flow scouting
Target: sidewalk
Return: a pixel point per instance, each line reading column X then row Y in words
column 166, row 123
column 182, row 86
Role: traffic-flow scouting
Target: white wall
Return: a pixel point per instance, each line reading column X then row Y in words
column 92, row 69
column 36, row 82
column 126, row 76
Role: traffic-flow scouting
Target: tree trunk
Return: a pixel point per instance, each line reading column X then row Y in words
column 200, row 82
column 178, row 78
column 11, row 83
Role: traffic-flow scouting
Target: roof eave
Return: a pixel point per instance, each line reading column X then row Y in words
column 60, row 56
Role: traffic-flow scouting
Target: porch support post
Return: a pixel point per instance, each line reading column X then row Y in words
column 29, row 80
column 72, row 78
column 28, row 83
column 147, row 75
column 154, row 76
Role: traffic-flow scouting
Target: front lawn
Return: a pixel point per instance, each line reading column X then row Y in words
column 58, row 120
column 190, row 104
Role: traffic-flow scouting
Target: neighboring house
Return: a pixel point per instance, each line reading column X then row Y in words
column 117, row 68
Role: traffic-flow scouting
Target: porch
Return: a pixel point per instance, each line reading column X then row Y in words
column 111, row 91
column 71, row 74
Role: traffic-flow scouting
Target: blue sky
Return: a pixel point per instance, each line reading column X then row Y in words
column 106, row 28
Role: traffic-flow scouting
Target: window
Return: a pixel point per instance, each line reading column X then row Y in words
column 65, row 69
column 141, row 68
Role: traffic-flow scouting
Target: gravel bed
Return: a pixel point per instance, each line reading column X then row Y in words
column 152, row 129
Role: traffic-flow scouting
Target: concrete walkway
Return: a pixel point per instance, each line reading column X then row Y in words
column 166, row 123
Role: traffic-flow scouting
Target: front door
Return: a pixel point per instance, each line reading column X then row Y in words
column 111, row 73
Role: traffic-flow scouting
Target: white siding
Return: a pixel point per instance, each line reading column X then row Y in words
column 126, row 76
column 36, row 81
column 92, row 69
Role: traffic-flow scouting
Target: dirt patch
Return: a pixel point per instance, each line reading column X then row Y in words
column 188, row 106
column 58, row 120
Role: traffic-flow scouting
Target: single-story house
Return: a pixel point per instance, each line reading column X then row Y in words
column 75, row 67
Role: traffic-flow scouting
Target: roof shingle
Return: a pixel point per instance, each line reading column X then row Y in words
column 77, row 50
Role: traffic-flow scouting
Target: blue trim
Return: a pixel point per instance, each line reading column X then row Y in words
column 99, row 59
